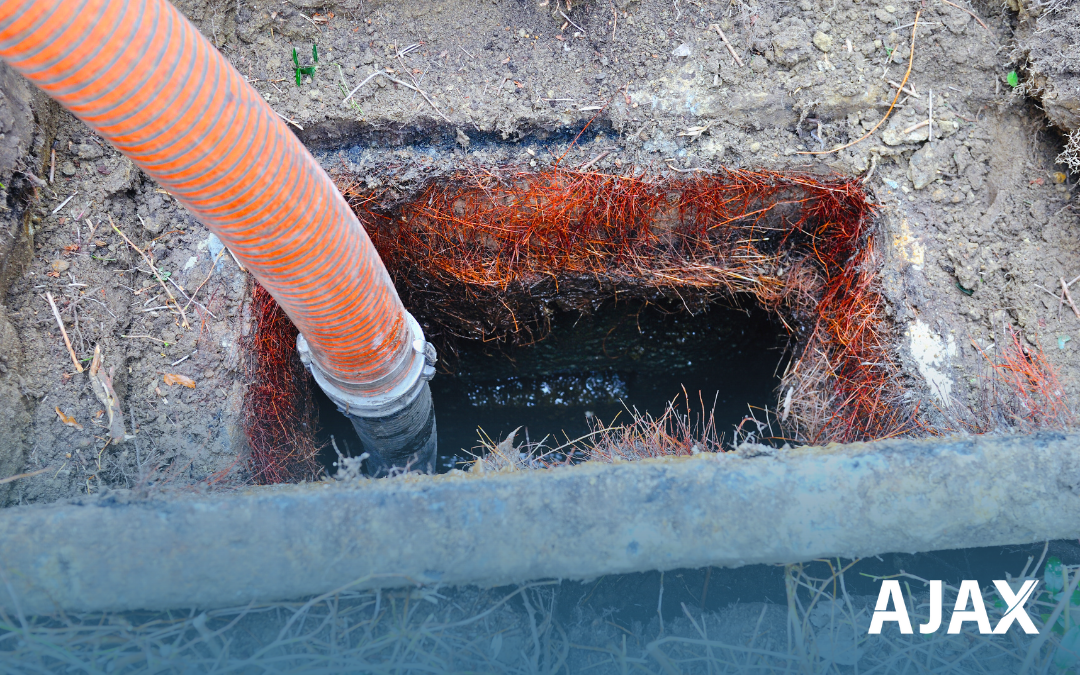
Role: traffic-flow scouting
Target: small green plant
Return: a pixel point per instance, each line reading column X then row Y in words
column 352, row 104
column 305, row 70
column 1013, row 79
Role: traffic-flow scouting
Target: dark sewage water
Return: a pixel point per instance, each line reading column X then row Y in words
column 598, row 369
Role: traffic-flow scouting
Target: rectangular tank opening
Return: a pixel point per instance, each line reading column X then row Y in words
column 522, row 278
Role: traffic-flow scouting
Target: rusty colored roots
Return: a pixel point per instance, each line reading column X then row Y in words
column 279, row 413
column 1019, row 391
column 488, row 255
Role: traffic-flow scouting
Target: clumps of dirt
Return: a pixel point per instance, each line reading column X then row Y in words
column 280, row 417
column 109, row 298
column 491, row 254
column 1048, row 36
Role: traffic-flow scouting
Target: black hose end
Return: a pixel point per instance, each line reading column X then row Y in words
column 403, row 441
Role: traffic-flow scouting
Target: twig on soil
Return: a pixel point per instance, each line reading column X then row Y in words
column 184, row 294
column 310, row 20
column 930, row 119
column 1051, row 293
column 731, row 49
column 903, row 82
column 67, row 341
column 236, row 260
column 30, row 474
column 1065, row 290
column 37, row 181
column 594, row 160
column 355, row 89
column 910, row 90
column 295, row 124
column 416, row 87
column 208, row 275
column 572, row 22
column 916, row 126
column 63, row 203
column 147, row 337
column 973, row 15
column 102, row 385
column 52, row 164
column 675, row 168
column 154, row 270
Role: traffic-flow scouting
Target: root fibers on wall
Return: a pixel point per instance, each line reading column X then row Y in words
column 490, row 254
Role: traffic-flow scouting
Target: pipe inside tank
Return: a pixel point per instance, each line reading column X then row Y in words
column 397, row 428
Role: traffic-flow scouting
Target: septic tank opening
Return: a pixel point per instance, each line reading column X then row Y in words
column 505, row 255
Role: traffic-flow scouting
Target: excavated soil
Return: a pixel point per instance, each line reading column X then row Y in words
column 977, row 222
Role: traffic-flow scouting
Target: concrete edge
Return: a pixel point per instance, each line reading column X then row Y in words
column 753, row 506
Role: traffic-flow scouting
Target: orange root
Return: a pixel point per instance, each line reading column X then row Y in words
column 279, row 414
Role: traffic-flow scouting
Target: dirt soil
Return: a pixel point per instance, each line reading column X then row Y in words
column 977, row 217
column 1047, row 35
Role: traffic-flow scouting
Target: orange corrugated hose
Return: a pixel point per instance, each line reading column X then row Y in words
column 145, row 79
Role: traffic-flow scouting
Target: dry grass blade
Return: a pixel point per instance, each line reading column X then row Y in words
column 415, row 86
column 213, row 264
column 19, row 476
column 821, row 629
column 63, row 332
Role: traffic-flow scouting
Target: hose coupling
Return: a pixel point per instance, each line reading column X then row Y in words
column 397, row 427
